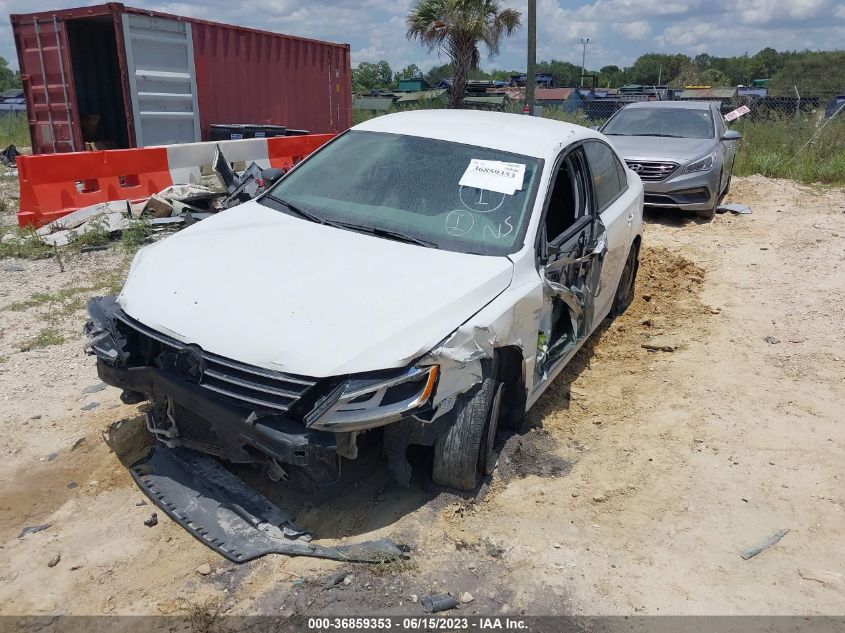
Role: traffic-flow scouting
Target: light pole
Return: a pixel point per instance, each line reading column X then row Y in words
column 584, row 42
column 532, row 56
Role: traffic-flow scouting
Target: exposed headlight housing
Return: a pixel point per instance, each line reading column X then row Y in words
column 365, row 403
column 702, row 164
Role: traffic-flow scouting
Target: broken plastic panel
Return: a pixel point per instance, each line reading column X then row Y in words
column 233, row 519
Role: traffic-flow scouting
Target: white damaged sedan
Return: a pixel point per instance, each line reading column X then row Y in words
column 424, row 276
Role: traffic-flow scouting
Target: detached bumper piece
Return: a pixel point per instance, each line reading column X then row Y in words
column 233, row 519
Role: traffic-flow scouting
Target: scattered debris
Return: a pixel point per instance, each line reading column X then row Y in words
column 77, row 443
column 659, row 347
column 599, row 498
column 14, row 269
column 439, row 602
column 71, row 485
column 54, row 561
column 466, row 597
column 298, row 582
column 734, row 207
column 95, row 388
column 9, row 155
column 32, row 529
column 152, row 521
column 36, row 417
column 338, row 578
column 348, row 580
column 90, row 405
column 772, row 540
column 827, row 578
column 52, row 456
column 414, row 598
column 204, row 569
column 140, row 503
column 771, row 340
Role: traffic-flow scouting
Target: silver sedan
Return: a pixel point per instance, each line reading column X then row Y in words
column 682, row 151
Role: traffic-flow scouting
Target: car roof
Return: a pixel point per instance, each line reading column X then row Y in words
column 516, row 133
column 678, row 105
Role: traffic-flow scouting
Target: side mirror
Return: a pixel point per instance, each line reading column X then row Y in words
column 270, row 176
column 731, row 135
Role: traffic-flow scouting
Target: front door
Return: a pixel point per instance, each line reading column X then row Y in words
column 570, row 251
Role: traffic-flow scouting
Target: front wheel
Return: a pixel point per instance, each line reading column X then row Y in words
column 468, row 447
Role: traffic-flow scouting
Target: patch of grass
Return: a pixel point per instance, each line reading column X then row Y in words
column 96, row 234
column 72, row 298
column 773, row 148
column 45, row 338
column 135, row 235
column 3, row 359
column 14, row 130
column 22, row 243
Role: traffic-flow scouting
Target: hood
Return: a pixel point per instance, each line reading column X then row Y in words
column 660, row 148
column 258, row 286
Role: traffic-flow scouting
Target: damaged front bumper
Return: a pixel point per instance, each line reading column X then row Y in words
column 247, row 414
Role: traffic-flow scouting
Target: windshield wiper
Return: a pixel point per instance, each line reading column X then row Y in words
column 387, row 233
column 303, row 214
column 663, row 135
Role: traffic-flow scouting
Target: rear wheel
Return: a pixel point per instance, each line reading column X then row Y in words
column 468, row 447
column 625, row 290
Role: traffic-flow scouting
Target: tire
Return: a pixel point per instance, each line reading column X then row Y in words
column 709, row 214
column 466, row 448
column 727, row 188
column 627, row 283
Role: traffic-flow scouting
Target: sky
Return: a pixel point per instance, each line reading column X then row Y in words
column 619, row 30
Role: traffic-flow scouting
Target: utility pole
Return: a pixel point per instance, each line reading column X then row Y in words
column 584, row 42
column 531, row 73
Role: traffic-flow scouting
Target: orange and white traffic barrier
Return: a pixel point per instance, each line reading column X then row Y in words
column 53, row 185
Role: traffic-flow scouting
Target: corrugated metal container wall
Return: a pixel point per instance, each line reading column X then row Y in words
column 44, row 64
column 248, row 76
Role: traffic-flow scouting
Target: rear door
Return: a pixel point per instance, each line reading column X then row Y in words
column 46, row 75
column 162, row 80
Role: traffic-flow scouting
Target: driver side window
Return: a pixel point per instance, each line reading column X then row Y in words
column 569, row 201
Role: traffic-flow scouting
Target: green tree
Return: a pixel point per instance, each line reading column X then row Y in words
column 564, row 73
column 8, row 77
column 408, row 72
column 368, row 76
column 458, row 27
column 815, row 74
column 654, row 68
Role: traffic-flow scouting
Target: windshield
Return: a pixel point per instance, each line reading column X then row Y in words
column 671, row 122
column 408, row 188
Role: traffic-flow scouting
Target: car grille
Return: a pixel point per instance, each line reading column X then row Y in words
column 249, row 386
column 652, row 171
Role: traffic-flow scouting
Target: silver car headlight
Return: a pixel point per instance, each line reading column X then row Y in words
column 702, row 164
column 365, row 403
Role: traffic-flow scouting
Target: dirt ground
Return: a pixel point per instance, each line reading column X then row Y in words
column 633, row 487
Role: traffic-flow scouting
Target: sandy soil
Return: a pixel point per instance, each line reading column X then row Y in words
column 632, row 488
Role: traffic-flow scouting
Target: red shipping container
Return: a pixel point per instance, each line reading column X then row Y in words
column 111, row 76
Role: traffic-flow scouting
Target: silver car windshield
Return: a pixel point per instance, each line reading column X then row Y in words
column 407, row 188
column 668, row 122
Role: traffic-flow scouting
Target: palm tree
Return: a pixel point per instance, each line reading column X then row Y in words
column 457, row 27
